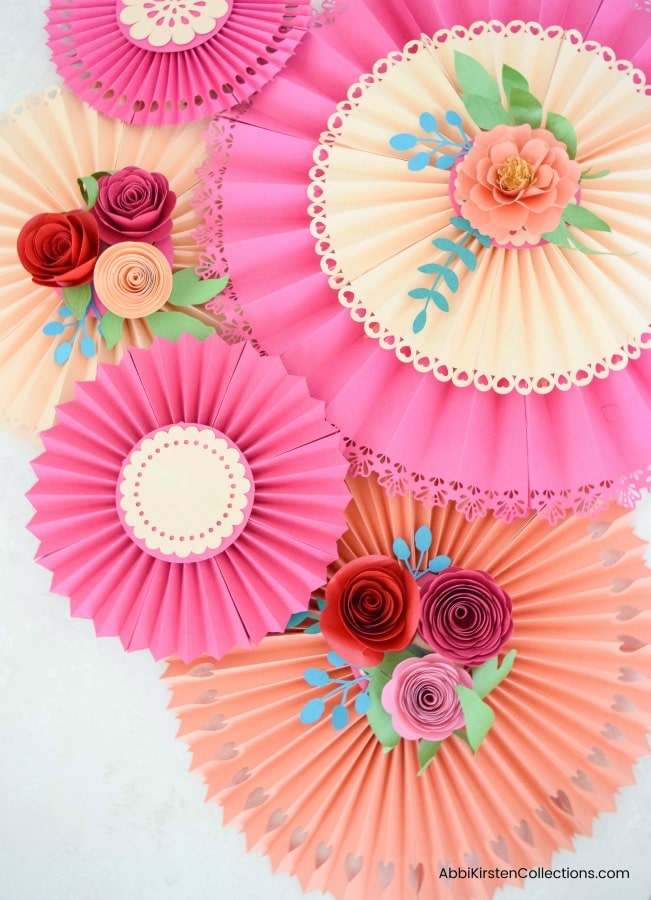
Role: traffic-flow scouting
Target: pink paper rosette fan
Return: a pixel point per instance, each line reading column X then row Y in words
column 505, row 369
column 315, row 789
column 189, row 499
column 149, row 62
column 67, row 271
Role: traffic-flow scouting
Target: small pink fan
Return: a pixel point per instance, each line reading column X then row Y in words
column 190, row 499
column 150, row 62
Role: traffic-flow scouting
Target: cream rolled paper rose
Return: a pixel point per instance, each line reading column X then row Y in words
column 514, row 183
column 132, row 279
column 465, row 615
column 421, row 697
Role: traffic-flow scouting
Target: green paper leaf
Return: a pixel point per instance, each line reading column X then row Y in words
column 513, row 80
column 427, row 750
column 486, row 677
column 474, row 79
column 563, row 130
column 525, row 108
column 583, row 218
column 89, row 187
column 478, row 715
column 587, row 175
column 172, row 325
column 77, row 298
column 485, row 113
column 111, row 328
column 190, row 290
column 559, row 236
column 378, row 718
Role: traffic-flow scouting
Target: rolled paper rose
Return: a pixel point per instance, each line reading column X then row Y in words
column 465, row 615
column 372, row 607
column 133, row 279
column 514, row 183
column 421, row 699
column 59, row 249
column 134, row 205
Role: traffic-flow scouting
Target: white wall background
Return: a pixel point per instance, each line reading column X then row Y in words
column 96, row 802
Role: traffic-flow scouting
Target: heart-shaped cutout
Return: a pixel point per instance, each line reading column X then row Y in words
column 619, row 585
column 545, row 816
column 256, row 798
column 385, row 873
column 202, row 670
column 241, row 776
column 298, row 837
column 562, row 801
column 630, row 644
column 227, row 751
column 581, row 780
column 207, row 697
column 500, row 848
column 625, row 613
column 610, row 557
column 277, row 818
column 598, row 529
column 321, row 853
column 598, row 758
column 524, row 832
column 216, row 723
column 416, row 877
column 353, row 865
column 612, row 732
column 622, row 704
column 628, row 674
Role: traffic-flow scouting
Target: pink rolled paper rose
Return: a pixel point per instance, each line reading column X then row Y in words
column 134, row 205
column 514, row 183
column 465, row 615
column 372, row 608
column 421, row 699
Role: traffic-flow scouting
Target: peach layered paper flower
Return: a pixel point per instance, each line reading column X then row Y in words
column 133, row 279
column 514, row 183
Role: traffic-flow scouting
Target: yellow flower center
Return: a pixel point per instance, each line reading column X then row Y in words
column 515, row 174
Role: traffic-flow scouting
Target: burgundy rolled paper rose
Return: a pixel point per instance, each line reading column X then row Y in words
column 465, row 615
column 372, row 608
column 134, row 205
column 421, row 698
column 59, row 249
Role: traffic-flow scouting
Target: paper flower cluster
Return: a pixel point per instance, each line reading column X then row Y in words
column 514, row 185
column 113, row 260
column 422, row 643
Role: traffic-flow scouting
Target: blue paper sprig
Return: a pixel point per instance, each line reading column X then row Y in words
column 407, row 141
column 315, row 708
column 454, row 250
column 298, row 618
column 422, row 542
column 63, row 350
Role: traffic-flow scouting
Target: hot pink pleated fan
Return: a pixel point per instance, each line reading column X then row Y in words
column 189, row 499
column 535, row 392
column 340, row 813
column 150, row 62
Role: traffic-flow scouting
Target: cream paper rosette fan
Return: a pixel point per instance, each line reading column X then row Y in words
column 547, row 338
column 332, row 807
column 46, row 144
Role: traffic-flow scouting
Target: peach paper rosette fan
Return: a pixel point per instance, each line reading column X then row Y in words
column 46, row 144
column 336, row 810
column 547, row 343
column 189, row 499
column 149, row 62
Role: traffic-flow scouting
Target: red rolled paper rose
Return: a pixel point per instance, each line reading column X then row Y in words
column 134, row 205
column 465, row 615
column 514, row 183
column 421, row 699
column 59, row 249
column 372, row 607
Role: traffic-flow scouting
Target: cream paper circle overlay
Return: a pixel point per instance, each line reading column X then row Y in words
column 525, row 320
column 184, row 493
